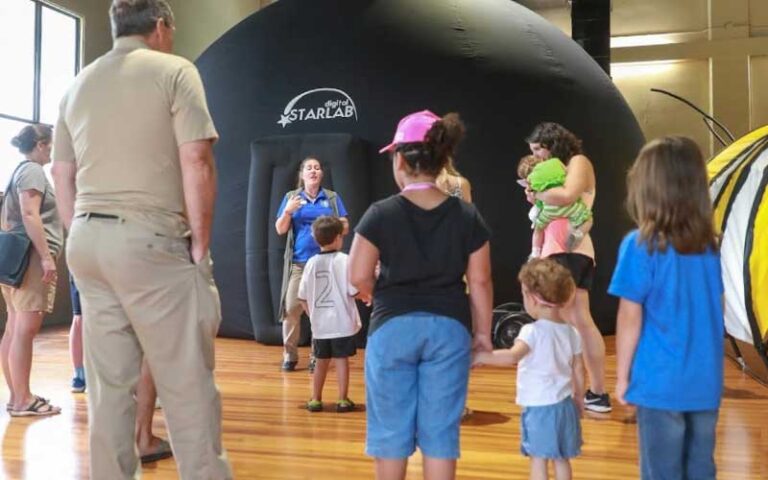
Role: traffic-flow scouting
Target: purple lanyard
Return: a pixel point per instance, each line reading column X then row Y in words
column 418, row 186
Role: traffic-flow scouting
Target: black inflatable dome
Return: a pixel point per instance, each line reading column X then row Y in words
column 333, row 77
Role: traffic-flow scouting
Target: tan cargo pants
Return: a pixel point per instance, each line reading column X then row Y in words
column 292, row 319
column 142, row 296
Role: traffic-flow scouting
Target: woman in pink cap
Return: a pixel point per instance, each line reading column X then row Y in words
column 423, row 321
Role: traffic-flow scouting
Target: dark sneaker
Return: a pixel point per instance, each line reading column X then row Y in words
column 315, row 406
column 78, row 385
column 344, row 406
column 597, row 403
column 312, row 363
column 288, row 366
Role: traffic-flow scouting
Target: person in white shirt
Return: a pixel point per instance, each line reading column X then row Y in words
column 550, row 374
column 328, row 298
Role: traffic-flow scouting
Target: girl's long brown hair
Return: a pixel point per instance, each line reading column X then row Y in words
column 668, row 196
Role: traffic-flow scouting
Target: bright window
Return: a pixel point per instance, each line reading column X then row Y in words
column 39, row 58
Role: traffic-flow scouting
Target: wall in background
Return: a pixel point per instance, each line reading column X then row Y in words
column 96, row 34
column 713, row 52
column 200, row 22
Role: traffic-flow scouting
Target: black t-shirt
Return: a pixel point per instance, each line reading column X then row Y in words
column 424, row 255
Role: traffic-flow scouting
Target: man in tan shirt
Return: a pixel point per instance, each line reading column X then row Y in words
column 135, row 179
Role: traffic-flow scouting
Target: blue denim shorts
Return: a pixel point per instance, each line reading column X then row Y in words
column 416, row 372
column 74, row 295
column 551, row 431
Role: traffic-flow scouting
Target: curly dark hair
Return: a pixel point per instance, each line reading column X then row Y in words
column 560, row 141
column 438, row 147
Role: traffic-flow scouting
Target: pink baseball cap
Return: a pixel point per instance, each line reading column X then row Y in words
column 412, row 128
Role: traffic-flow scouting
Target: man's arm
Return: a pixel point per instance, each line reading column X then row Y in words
column 199, row 180
column 64, row 174
column 64, row 169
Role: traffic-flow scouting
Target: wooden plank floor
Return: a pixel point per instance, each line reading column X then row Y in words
column 269, row 436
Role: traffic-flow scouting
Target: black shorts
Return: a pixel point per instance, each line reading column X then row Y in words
column 343, row 347
column 582, row 268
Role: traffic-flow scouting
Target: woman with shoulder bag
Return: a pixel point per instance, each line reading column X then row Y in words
column 299, row 209
column 29, row 206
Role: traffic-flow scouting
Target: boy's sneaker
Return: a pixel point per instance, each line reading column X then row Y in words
column 315, row 406
column 344, row 406
column 78, row 385
column 597, row 403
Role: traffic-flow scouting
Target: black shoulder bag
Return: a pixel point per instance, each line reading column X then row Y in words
column 15, row 247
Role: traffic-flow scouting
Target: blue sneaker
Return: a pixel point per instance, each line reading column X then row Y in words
column 78, row 385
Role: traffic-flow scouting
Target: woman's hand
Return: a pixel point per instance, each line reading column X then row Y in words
column 294, row 203
column 49, row 269
column 367, row 299
column 482, row 343
column 576, row 235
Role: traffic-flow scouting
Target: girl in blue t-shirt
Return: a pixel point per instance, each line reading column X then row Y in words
column 669, row 334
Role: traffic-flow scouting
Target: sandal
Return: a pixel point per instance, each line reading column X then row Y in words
column 39, row 407
column 344, row 406
column 163, row 450
column 314, row 405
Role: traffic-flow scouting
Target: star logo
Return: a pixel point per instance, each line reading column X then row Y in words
column 284, row 120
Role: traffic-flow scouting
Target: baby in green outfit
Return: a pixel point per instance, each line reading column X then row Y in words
column 541, row 175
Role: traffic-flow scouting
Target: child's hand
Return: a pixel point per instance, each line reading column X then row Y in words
column 580, row 405
column 621, row 390
column 480, row 359
column 366, row 299
column 530, row 195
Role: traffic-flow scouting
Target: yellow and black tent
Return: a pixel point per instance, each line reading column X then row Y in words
column 739, row 188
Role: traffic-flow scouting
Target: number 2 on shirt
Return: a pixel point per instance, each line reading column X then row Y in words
column 323, row 280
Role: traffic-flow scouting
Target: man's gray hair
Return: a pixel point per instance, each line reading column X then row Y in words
column 138, row 17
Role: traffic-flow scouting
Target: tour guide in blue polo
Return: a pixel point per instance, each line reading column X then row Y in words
column 299, row 209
